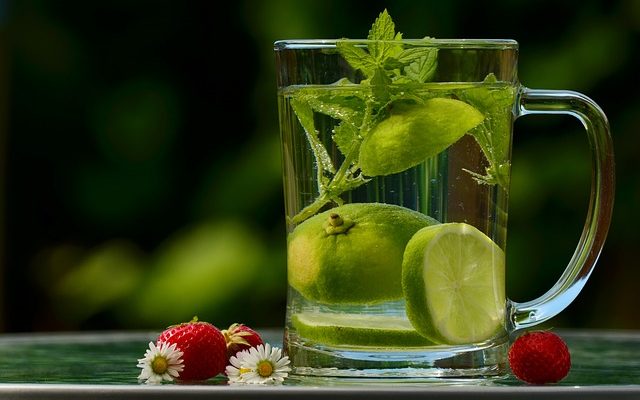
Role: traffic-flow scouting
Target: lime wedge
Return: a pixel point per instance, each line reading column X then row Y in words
column 357, row 330
column 453, row 283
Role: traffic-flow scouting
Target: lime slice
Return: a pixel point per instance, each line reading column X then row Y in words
column 414, row 132
column 357, row 330
column 453, row 282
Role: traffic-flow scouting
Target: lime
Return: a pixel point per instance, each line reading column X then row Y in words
column 413, row 133
column 352, row 253
column 357, row 330
column 453, row 282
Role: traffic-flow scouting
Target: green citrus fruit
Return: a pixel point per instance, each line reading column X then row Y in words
column 413, row 133
column 357, row 330
column 352, row 253
column 453, row 282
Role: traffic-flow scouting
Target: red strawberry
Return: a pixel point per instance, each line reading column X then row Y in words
column 240, row 337
column 203, row 346
column 539, row 357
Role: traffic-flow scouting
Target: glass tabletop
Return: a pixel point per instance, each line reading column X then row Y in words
column 74, row 365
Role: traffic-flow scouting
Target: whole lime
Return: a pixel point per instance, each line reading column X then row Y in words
column 414, row 132
column 352, row 253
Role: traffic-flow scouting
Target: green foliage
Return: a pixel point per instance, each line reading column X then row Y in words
column 99, row 281
column 375, row 135
column 496, row 104
column 86, row 162
column 200, row 270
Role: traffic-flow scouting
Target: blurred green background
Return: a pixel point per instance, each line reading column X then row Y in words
column 140, row 177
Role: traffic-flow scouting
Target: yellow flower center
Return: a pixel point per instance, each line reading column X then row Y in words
column 265, row 368
column 159, row 365
column 244, row 370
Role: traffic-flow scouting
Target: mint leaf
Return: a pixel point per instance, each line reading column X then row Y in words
column 422, row 63
column 494, row 98
column 392, row 76
column 344, row 107
column 379, row 83
column 392, row 63
column 408, row 56
column 405, row 94
column 356, row 57
column 384, row 45
column 383, row 27
column 344, row 135
column 493, row 135
column 323, row 161
column 383, row 30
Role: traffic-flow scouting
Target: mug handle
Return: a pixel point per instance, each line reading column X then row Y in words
column 533, row 101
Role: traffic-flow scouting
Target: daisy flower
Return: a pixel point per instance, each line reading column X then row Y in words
column 160, row 363
column 262, row 364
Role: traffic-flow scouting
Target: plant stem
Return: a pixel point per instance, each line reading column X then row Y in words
column 336, row 186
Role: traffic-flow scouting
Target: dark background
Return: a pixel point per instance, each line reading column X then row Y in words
column 140, row 177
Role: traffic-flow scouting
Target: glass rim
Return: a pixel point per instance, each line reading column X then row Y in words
column 308, row 44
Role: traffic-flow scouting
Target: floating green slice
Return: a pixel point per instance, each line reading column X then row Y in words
column 357, row 330
column 453, row 282
column 415, row 132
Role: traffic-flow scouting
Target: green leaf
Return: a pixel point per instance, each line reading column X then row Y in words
column 380, row 82
column 491, row 95
column 304, row 112
column 495, row 100
column 408, row 56
column 392, row 63
column 383, row 28
column 339, row 107
column 344, row 135
column 356, row 57
column 422, row 63
column 382, row 32
column 393, row 77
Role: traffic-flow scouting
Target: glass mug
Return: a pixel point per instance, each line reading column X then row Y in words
column 396, row 183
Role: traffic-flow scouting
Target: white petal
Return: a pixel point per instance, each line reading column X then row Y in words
column 236, row 379
column 251, row 359
column 166, row 377
column 237, row 360
column 275, row 354
column 282, row 363
column 266, row 351
column 145, row 374
column 251, row 377
column 154, row 379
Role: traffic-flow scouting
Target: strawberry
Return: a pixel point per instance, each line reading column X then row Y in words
column 203, row 346
column 240, row 337
column 539, row 357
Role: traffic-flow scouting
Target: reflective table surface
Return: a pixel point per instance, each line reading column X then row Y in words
column 605, row 364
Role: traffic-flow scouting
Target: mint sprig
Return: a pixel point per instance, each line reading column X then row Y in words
column 387, row 67
column 495, row 103
column 387, row 61
column 393, row 72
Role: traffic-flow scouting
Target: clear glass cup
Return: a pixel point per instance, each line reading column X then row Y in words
column 351, row 306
